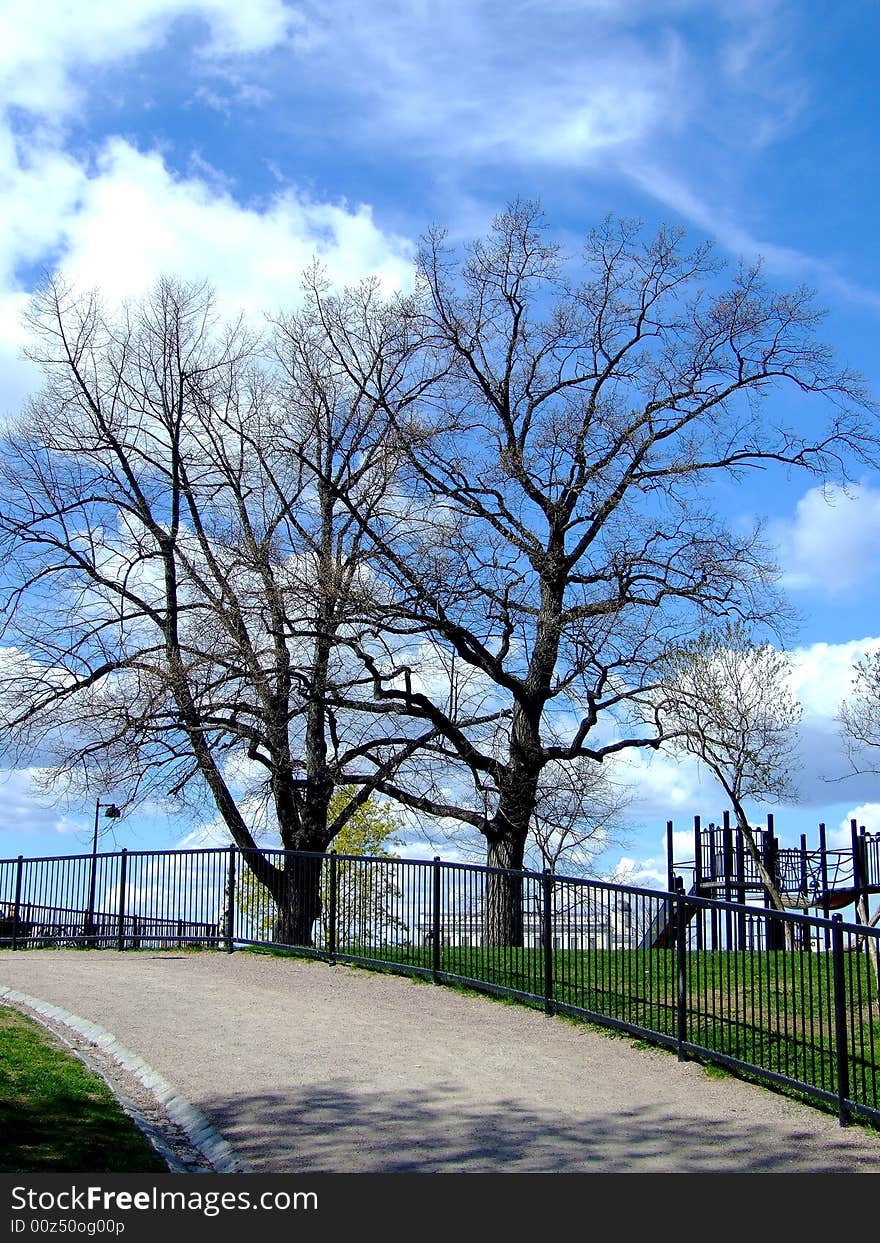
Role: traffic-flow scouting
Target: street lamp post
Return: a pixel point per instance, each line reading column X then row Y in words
column 111, row 812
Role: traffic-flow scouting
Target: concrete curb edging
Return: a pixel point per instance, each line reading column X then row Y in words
column 200, row 1132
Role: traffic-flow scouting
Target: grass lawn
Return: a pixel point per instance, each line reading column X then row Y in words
column 56, row 1116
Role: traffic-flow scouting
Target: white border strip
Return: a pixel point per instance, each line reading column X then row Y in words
column 201, row 1133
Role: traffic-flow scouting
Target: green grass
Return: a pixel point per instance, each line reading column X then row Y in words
column 56, row 1116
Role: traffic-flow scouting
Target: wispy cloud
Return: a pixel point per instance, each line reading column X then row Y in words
column 23, row 812
column 557, row 83
column 44, row 47
column 674, row 191
column 676, row 98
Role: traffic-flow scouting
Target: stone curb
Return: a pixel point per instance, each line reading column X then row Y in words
column 200, row 1132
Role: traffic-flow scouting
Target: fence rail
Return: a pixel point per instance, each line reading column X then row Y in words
column 788, row 997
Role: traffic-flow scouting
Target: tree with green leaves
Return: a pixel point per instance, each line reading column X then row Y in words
column 859, row 715
column 367, row 896
column 725, row 699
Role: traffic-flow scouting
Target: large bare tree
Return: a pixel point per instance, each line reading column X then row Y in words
column 560, row 531
column 178, row 568
column 437, row 551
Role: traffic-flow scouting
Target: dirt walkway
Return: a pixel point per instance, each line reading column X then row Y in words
column 303, row 1067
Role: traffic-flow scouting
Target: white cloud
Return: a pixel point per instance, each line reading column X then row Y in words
column 41, row 187
column 205, row 836
column 135, row 221
column 19, row 377
column 42, row 45
column 673, row 787
column 631, row 82
column 867, row 814
column 821, row 676
column 24, row 813
column 832, row 541
column 665, row 786
column 514, row 96
column 644, row 873
column 120, row 218
column 650, row 870
column 131, row 220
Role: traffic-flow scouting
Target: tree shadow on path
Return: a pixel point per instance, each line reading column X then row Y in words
column 336, row 1129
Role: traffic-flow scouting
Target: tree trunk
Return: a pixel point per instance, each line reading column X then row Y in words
column 303, row 827
column 506, row 836
column 768, row 881
column 503, row 923
column 298, row 901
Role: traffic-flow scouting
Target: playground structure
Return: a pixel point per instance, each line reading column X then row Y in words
column 723, row 869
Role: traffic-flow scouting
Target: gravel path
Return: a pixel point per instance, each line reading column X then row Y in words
column 302, row 1067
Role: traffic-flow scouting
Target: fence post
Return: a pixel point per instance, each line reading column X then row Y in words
column 823, row 853
column 714, row 925
column 741, row 894
column 331, row 932
column 681, row 973
column 698, row 878
column 863, row 913
column 840, row 1040
column 547, row 938
column 17, row 910
column 230, row 900
column 123, row 868
column 435, row 920
column 775, row 927
column 857, row 870
column 670, row 863
column 727, row 855
column 806, row 934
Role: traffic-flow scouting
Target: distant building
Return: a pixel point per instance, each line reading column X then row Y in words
column 590, row 922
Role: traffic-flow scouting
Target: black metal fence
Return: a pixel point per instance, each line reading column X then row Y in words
column 126, row 900
column 787, row 997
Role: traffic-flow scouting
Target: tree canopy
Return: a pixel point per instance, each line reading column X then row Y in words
column 436, row 547
column 559, row 535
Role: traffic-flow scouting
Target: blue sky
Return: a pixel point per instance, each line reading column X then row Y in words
column 233, row 141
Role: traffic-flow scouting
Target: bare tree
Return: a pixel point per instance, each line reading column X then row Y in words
column 579, row 813
column 725, row 700
column 559, row 531
column 859, row 718
column 859, row 715
column 177, row 572
column 446, row 554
